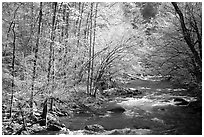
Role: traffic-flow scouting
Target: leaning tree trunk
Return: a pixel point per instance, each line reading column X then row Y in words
column 188, row 39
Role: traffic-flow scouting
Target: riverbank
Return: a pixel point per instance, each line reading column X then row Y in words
column 148, row 107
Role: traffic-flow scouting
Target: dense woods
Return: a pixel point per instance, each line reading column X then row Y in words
column 57, row 55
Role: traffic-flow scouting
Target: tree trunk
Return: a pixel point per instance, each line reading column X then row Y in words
column 44, row 114
column 90, row 54
column 13, row 69
column 51, row 72
column 94, row 40
column 51, row 103
column 79, row 27
column 78, row 19
column 67, row 25
column 12, row 25
column 36, row 57
column 51, row 43
column 187, row 36
column 86, row 31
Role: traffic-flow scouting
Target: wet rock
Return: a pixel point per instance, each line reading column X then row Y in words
column 8, row 130
column 141, row 127
column 109, row 92
column 95, row 128
column 53, row 122
column 54, row 127
column 64, row 131
column 125, row 131
column 157, row 120
column 181, row 101
column 116, row 109
column 34, row 118
column 134, row 91
column 128, row 131
column 59, row 113
column 25, row 132
column 41, row 122
column 52, row 117
column 79, row 132
column 37, row 128
column 161, row 109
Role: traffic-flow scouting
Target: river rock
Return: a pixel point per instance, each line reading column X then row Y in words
column 117, row 109
column 37, row 128
column 53, row 123
column 54, row 127
column 135, row 91
column 109, row 92
column 95, row 128
column 64, row 131
column 181, row 101
column 24, row 132
column 128, row 131
column 157, row 120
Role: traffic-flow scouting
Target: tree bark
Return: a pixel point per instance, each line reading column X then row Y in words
column 86, row 31
column 187, row 36
column 94, row 40
column 90, row 54
column 52, row 42
column 13, row 69
column 67, row 24
column 44, row 114
column 51, row 57
column 12, row 26
column 79, row 27
column 36, row 56
column 78, row 19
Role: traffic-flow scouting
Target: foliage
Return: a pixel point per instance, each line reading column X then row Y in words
column 51, row 49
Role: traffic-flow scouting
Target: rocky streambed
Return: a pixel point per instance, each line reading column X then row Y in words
column 161, row 110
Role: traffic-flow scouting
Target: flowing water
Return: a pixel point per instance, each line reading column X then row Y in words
column 154, row 111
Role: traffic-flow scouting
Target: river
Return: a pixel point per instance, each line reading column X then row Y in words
column 155, row 112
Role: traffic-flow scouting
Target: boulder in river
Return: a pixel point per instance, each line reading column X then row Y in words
column 54, row 127
column 94, row 127
column 181, row 101
column 64, row 131
column 37, row 128
column 53, row 122
column 117, row 109
column 128, row 131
